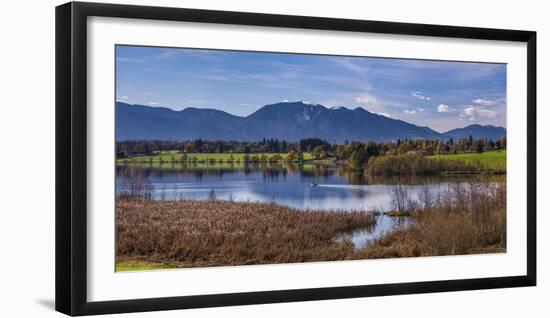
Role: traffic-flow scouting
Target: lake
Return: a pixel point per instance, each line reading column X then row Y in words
column 304, row 187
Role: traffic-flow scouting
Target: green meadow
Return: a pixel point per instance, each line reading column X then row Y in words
column 175, row 156
column 490, row 159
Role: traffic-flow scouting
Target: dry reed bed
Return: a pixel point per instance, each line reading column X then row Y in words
column 207, row 233
column 464, row 219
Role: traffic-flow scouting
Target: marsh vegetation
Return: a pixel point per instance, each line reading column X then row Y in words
column 215, row 232
column 465, row 218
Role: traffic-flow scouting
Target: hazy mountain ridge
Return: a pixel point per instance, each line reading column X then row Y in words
column 289, row 121
column 477, row 131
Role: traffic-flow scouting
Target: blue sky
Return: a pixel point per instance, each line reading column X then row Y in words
column 440, row 95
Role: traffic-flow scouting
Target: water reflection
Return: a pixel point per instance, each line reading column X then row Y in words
column 384, row 224
column 335, row 189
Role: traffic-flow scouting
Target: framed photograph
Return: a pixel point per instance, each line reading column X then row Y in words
column 210, row 158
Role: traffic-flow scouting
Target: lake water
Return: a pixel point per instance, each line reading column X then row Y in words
column 303, row 187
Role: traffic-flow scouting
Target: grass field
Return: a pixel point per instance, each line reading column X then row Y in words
column 175, row 156
column 490, row 159
column 125, row 265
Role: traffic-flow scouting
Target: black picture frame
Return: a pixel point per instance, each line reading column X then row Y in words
column 71, row 157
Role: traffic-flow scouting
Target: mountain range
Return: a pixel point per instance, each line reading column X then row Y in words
column 290, row 121
column 477, row 132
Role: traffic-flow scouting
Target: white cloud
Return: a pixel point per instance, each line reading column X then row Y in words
column 470, row 111
column 413, row 111
column 419, row 95
column 366, row 99
column 153, row 103
column 484, row 102
column 473, row 111
column 122, row 97
column 442, row 108
column 377, row 104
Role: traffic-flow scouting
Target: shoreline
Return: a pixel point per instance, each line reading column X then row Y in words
column 488, row 162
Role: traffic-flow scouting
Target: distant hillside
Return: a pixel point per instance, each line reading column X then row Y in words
column 477, row 132
column 143, row 122
column 289, row 121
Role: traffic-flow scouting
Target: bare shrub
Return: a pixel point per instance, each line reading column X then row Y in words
column 400, row 198
column 136, row 184
column 465, row 219
column 212, row 195
column 425, row 197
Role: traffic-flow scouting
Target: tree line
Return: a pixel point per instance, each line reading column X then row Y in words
column 271, row 145
column 354, row 154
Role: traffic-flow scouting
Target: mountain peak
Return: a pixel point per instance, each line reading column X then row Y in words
column 297, row 111
column 339, row 108
column 298, row 102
